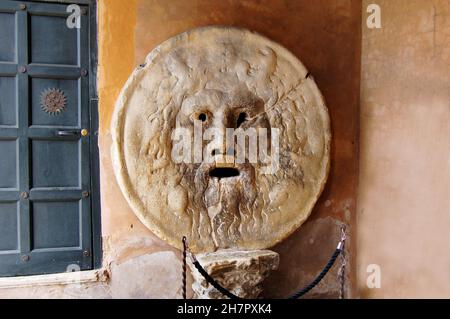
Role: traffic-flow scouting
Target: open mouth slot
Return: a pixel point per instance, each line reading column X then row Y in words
column 224, row 172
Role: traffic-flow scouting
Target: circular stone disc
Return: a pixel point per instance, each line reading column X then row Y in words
column 221, row 78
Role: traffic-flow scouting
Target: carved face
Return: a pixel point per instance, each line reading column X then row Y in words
column 224, row 190
column 200, row 85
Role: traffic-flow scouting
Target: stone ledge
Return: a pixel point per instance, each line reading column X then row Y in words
column 67, row 278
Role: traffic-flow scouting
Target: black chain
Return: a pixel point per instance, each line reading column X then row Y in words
column 319, row 278
column 341, row 272
column 339, row 250
column 184, row 266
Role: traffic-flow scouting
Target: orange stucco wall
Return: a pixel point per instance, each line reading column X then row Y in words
column 326, row 39
column 116, row 37
column 403, row 206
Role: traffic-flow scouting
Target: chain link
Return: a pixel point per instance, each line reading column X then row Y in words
column 184, row 267
column 341, row 272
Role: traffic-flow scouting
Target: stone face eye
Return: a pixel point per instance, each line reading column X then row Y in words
column 202, row 117
column 241, row 119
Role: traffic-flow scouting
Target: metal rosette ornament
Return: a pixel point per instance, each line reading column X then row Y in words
column 53, row 101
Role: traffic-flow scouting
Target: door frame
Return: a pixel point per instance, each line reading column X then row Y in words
column 94, row 123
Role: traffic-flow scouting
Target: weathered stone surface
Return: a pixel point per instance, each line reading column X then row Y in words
column 220, row 73
column 241, row 272
column 304, row 255
column 156, row 275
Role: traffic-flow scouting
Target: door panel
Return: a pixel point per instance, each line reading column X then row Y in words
column 45, row 208
column 7, row 37
column 55, row 163
column 52, row 41
column 9, row 226
column 56, row 224
column 8, row 164
column 8, row 101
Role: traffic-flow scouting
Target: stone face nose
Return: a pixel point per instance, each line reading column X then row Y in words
column 222, row 153
column 220, row 123
column 222, row 119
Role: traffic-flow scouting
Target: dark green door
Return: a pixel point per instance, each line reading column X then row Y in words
column 45, row 207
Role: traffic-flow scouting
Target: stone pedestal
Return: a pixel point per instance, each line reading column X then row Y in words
column 241, row 272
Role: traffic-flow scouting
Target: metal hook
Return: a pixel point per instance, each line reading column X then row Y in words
column 343, row 233
column 186, row 247
column 341, row 244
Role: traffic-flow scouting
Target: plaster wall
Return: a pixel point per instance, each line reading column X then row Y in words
column 128, row 32
column 404, row 184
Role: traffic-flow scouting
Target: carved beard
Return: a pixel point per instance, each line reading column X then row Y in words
column 228, row 205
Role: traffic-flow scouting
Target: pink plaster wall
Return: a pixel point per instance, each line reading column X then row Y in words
column 403, row 217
